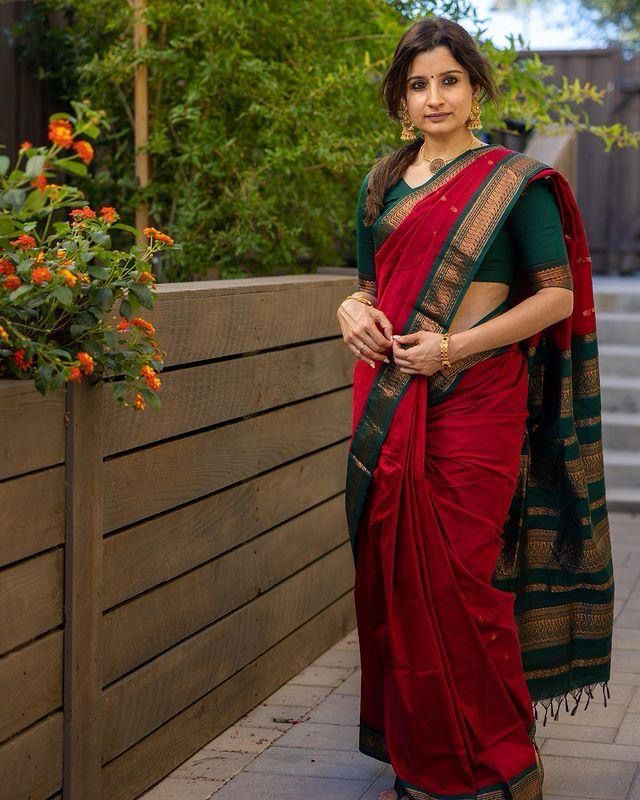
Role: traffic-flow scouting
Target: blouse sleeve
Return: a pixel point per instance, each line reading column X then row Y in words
column 537, row 233
column 365, row 250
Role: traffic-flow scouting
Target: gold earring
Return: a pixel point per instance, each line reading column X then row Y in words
column 407, row 133
column 474, row 120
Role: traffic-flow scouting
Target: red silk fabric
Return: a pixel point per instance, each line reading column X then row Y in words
column 442, row 675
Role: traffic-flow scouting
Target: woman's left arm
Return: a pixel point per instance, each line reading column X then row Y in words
column 536, row 229
column 548, row 305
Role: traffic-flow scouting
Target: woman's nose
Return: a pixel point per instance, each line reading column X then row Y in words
column 433, row 97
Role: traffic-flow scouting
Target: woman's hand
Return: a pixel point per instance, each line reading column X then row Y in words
column 359, row 323
column 423, row 357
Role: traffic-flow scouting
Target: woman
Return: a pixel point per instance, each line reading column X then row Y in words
column 475, row 488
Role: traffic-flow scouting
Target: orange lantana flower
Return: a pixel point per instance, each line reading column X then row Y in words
column 108, row 214
column 146, row 277
column 7, row 267
column 82, row 213
column 40, row 275
column 147, row 327
column 26, row 145
column 12, row 282
column 161, row 237
column 84, row 150
column 138, row 401
column 24, row 241
column 69, row 278
column 21, row 361
column 75, row 374
column 40, row 183
column 123, row 325
column 150, row 376
column 86, row 362
column 3, row 334
column 61, row 133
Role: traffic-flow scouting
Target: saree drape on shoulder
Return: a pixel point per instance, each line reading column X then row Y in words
column 476, row 504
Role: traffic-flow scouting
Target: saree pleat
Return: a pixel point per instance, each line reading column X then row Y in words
column 476, row 507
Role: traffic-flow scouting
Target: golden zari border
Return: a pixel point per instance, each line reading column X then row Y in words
column 558, row 276
column 551, row 627
column 390, row 220
column 365, row 285
column 535, row 674
column 457, row 262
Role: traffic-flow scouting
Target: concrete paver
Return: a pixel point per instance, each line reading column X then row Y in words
column 302, row 742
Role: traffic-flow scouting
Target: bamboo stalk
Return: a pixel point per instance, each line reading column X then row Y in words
column 141, row 104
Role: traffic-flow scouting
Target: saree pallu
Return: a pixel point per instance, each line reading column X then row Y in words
column 476, row 505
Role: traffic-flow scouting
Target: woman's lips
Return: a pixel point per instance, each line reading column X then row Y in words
column 437, row 116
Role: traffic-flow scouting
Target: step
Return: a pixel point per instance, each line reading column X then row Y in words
column 621, row 431
column 619, row 359
column 622, row 469
column 620, row 394
column 616, row 294
column 618, row 327
column 623, row 499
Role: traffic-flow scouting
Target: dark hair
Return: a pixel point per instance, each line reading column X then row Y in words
column 425, row 34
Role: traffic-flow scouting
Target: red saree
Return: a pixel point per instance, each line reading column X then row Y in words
column 476, row 507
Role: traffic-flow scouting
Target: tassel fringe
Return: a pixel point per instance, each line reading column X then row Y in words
column 576, row 694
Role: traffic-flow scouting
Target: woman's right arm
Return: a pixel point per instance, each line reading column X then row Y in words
column 359, row 321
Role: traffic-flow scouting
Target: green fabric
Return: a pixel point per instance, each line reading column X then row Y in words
column 531, row 236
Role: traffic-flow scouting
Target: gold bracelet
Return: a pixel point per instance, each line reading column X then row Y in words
column 361, row 299
column 444, row 350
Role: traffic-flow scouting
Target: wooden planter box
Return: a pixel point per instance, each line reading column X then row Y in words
column 161, row 573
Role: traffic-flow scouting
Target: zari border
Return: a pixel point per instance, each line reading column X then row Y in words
column 454, row 268
column 527, row 785
column 394, row 216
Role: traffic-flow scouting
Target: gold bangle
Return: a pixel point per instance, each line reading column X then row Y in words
column 444, row 350
column 361, row 299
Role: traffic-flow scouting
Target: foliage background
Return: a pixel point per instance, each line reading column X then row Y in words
column 264, row 116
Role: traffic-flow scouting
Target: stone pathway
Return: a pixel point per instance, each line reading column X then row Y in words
column 301, row 743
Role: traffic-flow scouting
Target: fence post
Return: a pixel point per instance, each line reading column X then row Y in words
column 82, row 738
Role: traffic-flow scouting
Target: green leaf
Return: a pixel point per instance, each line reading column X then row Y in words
column 21, row 291
column 63, row 294
column 42, row 376
column 35, row 166
column 103, row 296
column 77, row 167
column 101, row 273
column 125, row 309
column 4, row 165
column 143, row 294
column 101, row 238
column 13, row 199
column 121, row 226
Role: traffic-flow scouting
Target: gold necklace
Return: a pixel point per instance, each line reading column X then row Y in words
column 437, row 163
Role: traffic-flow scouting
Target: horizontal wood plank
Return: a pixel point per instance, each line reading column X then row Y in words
column 30, row 598
column 208, row 394
column 186, row 469
column 32, row 514
column 30, row 683
column 31, row 763
column 31, row 428
column 207, row 319
column 152, row 694
column 170, row 745
column 151, row 623
column 157, row 550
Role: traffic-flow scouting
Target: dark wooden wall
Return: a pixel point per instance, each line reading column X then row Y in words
column 608, row 183
column 206, row 558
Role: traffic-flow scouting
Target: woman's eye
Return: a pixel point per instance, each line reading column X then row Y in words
column 450, row 78
column 418, row 85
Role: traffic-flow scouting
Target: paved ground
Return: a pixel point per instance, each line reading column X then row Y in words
column 301, row 743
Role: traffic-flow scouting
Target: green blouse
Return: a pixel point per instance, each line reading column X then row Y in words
column 531, row 237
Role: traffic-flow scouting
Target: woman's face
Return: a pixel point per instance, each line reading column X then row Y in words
column 438, row 85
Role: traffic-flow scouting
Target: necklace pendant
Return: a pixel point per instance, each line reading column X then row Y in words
column 436, row 164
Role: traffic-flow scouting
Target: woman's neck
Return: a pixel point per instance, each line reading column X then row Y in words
column 442, row 145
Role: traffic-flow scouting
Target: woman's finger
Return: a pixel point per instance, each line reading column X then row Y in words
column 357, row 351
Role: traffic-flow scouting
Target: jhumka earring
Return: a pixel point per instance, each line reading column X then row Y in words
column 474, row 117
column 407, row 133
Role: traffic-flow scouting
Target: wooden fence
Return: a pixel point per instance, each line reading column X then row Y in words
column 163, row 572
